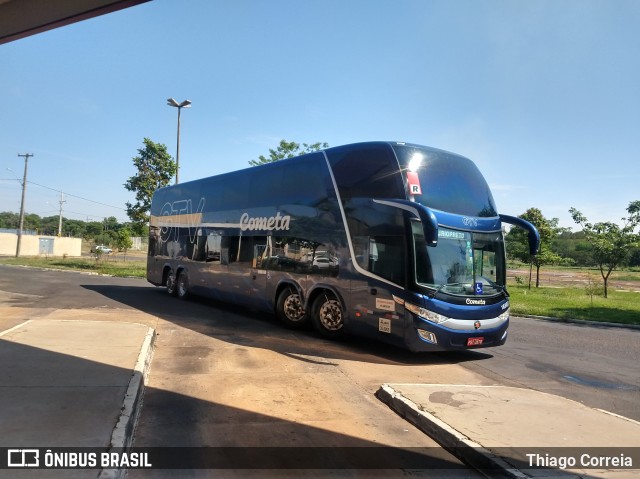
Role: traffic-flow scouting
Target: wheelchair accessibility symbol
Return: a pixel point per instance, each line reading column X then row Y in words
column 479, row 289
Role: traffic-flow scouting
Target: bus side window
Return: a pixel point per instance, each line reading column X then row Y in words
column 252, row 249
column 246, row 249
column 229, row 249
column 198, row 252
column 381, row 255
column 389, row 251
column 260, row 252
column 213, row 249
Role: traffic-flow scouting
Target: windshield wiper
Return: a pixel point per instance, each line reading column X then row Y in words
column 497, row 287
column 441, row 287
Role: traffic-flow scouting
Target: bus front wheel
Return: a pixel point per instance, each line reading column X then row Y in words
column 328, row 315
column 290, row 309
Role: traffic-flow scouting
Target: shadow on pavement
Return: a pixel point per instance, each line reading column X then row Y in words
column 54, row 400
column 241, row 326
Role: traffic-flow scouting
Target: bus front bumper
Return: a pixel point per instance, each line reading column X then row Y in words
column 456, row 334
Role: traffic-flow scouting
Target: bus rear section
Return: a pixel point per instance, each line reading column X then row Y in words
column 270, row 238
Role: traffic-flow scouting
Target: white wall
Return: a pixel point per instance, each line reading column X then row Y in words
column 30, row 245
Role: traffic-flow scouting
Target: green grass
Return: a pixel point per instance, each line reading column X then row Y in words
column 111, row 266
column 624, row 275
column 576, row 303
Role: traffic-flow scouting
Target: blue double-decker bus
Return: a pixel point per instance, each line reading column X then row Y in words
column 393, row 241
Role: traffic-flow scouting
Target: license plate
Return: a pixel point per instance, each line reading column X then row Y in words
column 474, row 341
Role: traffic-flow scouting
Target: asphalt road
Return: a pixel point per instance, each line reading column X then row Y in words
column 593, row 364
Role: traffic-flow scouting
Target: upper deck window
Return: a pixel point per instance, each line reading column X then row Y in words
column 448, row 182
column 366, row 172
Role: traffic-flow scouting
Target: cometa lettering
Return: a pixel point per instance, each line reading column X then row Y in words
column 475, row 301
column 277, row 223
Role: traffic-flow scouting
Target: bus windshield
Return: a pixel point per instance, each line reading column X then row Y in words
column 463, row 263
column 448, row 182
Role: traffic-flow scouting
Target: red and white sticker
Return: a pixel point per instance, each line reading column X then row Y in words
column 414, row 183
column 385, row 304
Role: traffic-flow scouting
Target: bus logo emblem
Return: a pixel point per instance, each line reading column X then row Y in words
column 469, row 221
column 477, row 325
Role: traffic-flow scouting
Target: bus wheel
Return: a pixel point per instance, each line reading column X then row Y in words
column 171, row 283
column 328, row 316
column 290, row 310
column 182, row 285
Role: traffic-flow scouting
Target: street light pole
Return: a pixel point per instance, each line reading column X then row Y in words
column 24, row 189
column 179, row 106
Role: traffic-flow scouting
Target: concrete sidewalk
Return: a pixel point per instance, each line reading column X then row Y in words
column 493, row 428
column 72, row 384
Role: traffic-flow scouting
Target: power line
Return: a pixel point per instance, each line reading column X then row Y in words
column 76, row 196
column 80, row 197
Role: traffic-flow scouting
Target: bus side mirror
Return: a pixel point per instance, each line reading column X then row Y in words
column 424, row 214
column 533, row 235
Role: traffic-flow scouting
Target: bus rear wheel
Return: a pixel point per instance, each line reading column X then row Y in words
column 328, row 316
column 171, row 284
column 182, row 285
column 290, row 309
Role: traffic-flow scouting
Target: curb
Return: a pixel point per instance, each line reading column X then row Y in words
column 583, row 322
column 122, row 435
column 468, row 451
column 77, row 271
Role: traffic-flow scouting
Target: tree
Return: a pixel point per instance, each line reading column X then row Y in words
column 9, row 220
column 611, row 243
column 519, row 245
column 32, row 222
column 573, row 248
column 110, row 223
column 92, row 229
column 123, row 240
column 49, row 225
column 288, row 149
column 155, row 168
column 106, row 238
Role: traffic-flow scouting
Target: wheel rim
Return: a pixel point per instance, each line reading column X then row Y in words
column 171, row 283
column 182, row 286
column 330, row 315
column 292, row 308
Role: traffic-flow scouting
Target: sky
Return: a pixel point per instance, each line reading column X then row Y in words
column 543, row 95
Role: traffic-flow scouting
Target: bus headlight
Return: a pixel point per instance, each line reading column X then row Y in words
column 426, row 314
column 504, row 316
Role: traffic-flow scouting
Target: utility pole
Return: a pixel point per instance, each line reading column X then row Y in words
column 62, row 200
column 24, row 189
